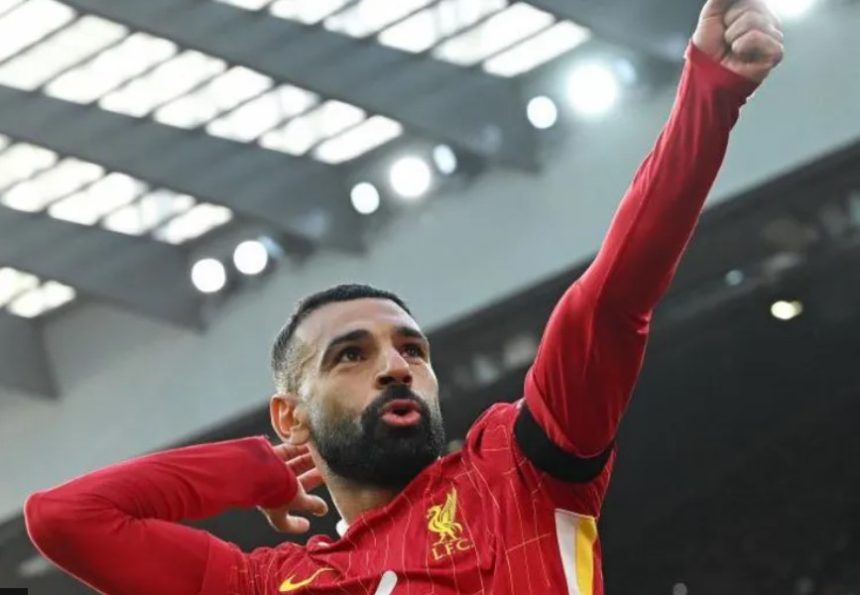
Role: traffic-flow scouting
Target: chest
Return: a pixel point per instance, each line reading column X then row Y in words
column 469, row 535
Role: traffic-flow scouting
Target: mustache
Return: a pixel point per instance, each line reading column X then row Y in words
column 396, row 392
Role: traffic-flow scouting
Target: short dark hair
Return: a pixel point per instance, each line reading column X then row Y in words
column 284, row 362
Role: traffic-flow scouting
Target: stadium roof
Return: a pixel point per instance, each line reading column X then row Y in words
column 132, row 131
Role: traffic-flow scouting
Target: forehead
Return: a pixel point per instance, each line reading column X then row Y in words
column 372, row 314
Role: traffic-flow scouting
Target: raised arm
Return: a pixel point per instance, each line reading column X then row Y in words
column 117, row 529
column 593, row 345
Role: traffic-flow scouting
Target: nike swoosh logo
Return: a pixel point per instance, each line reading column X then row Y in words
column 289, row 584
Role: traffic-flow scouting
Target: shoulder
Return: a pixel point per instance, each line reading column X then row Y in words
column 490, row 440
column 495, row 425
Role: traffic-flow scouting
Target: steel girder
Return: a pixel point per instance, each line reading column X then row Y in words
column 23, row 357
column 142, row 275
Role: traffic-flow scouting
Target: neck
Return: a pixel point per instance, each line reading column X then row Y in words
column 352, row 499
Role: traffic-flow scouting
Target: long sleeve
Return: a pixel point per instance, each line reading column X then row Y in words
column 594, row 343
column 117, row 529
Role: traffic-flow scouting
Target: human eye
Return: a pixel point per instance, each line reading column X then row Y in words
column 349, row 354
column 413, row 350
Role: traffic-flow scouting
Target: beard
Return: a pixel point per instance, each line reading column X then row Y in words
column 368, row 451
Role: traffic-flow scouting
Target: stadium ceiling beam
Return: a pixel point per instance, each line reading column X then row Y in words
column 465, row 107
column 297, row 196
column 24, row 358
column 634, row 25
column 142, row 275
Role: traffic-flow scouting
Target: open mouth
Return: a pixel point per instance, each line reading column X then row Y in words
column 401, row 413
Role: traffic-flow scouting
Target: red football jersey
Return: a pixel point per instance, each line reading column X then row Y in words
column 514, row 512
column 482, row 520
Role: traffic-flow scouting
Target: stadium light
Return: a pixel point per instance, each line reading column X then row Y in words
column 791, row 9
column 734, row 277
column 593, row 89
column 445, row 159
column 208, row 275
column 785, row 310
column 365, row 198
column 410, row 177
column 542, row 112
column 251, row 257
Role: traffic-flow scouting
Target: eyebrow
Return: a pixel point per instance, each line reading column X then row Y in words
column 412, row 333
column 350, row 337
column 360, row 334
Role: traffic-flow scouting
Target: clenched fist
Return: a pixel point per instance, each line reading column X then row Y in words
column 742, row 35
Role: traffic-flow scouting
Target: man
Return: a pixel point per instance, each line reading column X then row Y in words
column 357, row 409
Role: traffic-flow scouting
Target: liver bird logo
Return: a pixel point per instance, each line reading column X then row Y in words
column 442, row 519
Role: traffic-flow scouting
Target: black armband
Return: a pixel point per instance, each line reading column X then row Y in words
column 550, row 458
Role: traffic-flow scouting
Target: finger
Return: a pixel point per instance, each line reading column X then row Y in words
column 311, row 479
column 719, row 6
column 738, row 9
column 294, row 524
column 283, row 522
column 756, row 46
column 752, row 21
column 289, row 451
column 311, row 504
column 301, row 463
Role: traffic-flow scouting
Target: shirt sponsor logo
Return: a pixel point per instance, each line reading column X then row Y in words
column 442, row 520
column 292, row 585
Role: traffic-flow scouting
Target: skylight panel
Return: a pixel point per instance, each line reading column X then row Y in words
column 167, row 81
column 22, row 160
column 426, row 27
column 356, row 141
column 255, row 117
column 222, row 93
column 100, row 198
column 303, row 132
column 366, row 17
column 24, row 294
column 538, row 50
column 500, row 31
column 247, row 4
column 13, row 283
column 111, row 68
column 39, row 300
column 8, row 4
column 193, row 223
column 30, row 22
column 64, row 178
column 65, row 48
column 308, row 12
column 144, row 215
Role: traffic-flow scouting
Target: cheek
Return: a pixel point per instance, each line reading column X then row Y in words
column 425, row 382
column 340, row 396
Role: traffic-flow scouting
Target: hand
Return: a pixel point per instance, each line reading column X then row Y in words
column 742, row 35
column 297, row 458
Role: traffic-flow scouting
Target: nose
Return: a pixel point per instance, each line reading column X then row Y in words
column 395, row 369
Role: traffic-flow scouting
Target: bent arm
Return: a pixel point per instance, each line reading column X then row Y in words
column 593, row 345
column 117, row 529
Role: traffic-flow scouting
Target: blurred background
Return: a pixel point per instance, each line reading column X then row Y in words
column 175, row 174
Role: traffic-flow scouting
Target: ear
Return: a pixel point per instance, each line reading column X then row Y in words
column 289, row 415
